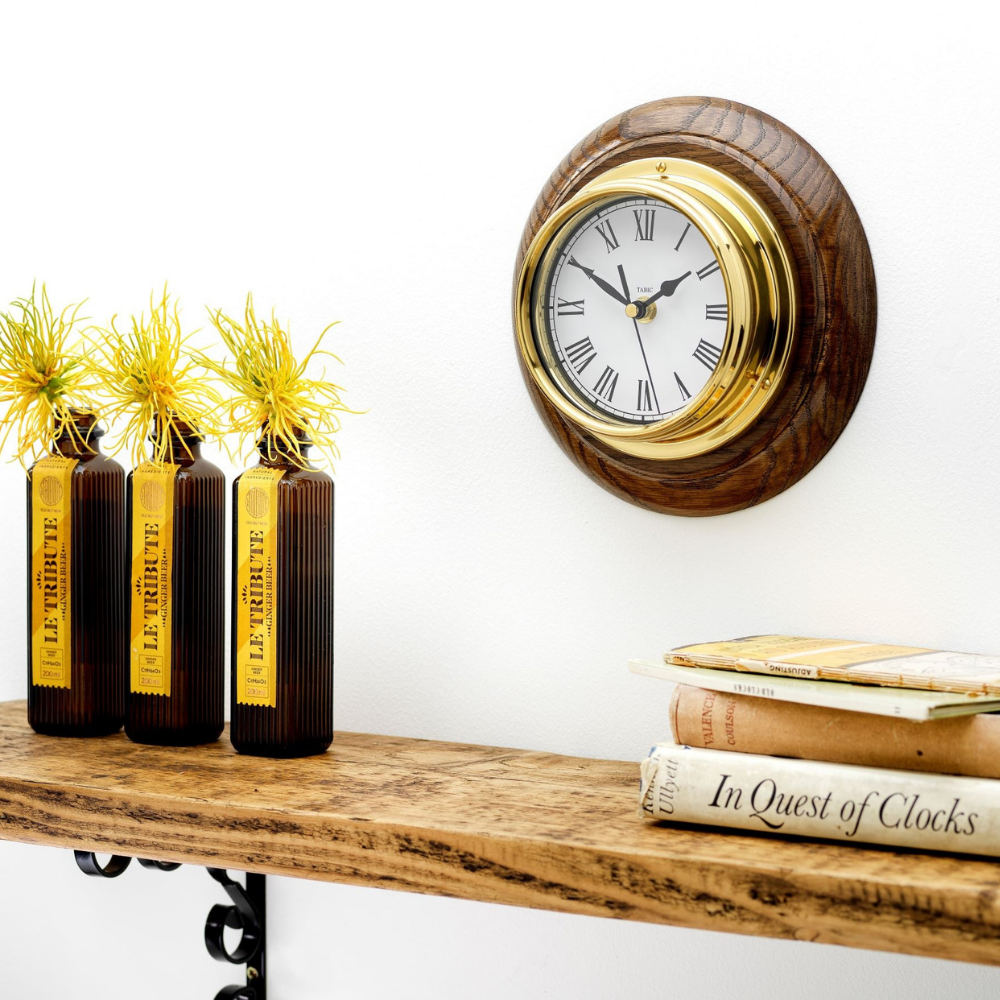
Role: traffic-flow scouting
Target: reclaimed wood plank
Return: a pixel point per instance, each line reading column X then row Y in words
column 519, row 827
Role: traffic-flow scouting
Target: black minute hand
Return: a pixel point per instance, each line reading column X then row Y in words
column 600, row 282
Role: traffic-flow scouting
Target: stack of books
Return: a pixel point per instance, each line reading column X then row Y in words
column 849, row 741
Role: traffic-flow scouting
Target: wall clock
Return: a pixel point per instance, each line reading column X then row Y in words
column 694, row 306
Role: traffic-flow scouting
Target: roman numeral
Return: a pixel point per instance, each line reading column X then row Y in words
column 683, row 388
column 581, row 354
column 606, row 384
column 644, row 221
column 707, row 270
column 708, row 354
column 609, row 237
column 717, row 312
column 644, row 401
column 565, row 308
column 681, row 240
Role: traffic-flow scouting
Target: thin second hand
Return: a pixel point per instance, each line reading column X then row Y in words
column 638, row 336
column 646, row 363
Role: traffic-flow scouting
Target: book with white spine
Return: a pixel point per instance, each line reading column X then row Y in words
column 902, row 703
column 807, row 798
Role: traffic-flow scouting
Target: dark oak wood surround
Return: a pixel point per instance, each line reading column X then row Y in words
column 835, row 334
column 506, row 826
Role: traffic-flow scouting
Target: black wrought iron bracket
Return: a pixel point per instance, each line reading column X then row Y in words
column 247, row 913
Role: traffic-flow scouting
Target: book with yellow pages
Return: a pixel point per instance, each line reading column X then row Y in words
column 846, row 660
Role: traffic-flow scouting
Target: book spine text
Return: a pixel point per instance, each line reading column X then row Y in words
column 815, row 799
column 712, row 720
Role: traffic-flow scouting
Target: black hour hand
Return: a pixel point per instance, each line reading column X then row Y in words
column 667, row 288
column 600, row 282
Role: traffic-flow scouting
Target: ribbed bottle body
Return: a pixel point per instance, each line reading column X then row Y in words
column 301, row 721
column 193, row 711
column 94, row 702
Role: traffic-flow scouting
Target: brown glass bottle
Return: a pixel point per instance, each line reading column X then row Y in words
column 301, row 721
column 94, row 703
column 193, row 711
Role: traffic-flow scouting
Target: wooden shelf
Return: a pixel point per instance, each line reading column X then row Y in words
column 507, row 826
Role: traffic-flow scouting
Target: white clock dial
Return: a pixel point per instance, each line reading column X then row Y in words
column 635, row 310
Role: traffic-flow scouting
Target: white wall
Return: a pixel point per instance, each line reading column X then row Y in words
column 376, row 163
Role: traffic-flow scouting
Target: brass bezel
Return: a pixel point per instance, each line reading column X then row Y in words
column 756, row 264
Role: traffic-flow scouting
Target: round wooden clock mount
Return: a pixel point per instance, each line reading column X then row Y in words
column 694, row 306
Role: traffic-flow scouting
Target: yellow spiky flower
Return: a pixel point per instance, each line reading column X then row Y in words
column 272, row 397
column 41, row 380
column 151, row 381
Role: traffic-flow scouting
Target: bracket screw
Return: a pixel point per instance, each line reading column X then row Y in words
column 252, row 973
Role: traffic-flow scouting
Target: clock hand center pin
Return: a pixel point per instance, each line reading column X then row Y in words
column 643, row 310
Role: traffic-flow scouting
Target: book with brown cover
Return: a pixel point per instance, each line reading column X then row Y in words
column 969, row 745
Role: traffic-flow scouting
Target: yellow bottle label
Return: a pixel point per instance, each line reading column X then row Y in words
column 151, row 582
column 51, row 571
column 257, row 565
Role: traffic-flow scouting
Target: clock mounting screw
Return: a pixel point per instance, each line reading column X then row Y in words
column 661, row 167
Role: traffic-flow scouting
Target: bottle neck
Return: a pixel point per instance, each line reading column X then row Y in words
column 79, row 436
column 182, row 450
column 275, row 454
column 183, row 443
